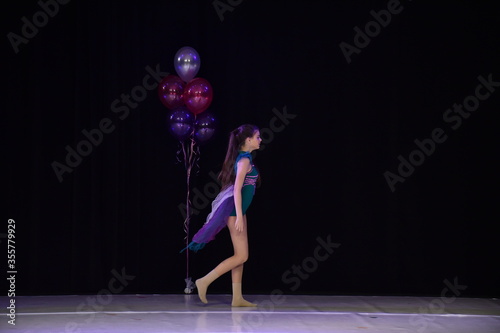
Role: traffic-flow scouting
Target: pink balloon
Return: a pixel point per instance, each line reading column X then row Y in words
column 170, row 91
column 198, row 95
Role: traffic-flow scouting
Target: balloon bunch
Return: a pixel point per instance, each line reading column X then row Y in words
column 188, row 98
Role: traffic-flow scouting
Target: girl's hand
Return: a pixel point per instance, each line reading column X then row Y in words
column 238, row 224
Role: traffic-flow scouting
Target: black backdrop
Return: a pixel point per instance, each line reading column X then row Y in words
column 332, row 130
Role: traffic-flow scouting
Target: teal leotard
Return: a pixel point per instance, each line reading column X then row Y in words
column 222, row 205
column 248, row 189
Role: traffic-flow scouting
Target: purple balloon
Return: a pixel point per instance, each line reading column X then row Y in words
column 187, row 63
column 181, row 123
column 204, row 127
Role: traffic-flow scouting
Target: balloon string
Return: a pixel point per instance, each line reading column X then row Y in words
column 188, row 217
column 179, row 152
column 185, row 151
column 186, row 221
column 191, row 156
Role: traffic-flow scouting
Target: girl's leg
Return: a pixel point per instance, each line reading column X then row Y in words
column 240, row 245
column 237, row 272
column 237, row 276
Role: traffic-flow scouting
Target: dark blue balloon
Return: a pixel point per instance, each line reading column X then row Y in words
column 204, row 127
column 181, row 123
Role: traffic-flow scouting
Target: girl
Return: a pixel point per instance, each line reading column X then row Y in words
column 238, row 177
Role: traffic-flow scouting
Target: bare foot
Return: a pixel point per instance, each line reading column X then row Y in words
column 202, row 290
column 242, row 302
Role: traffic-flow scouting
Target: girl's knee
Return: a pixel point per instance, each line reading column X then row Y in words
column 244, row 259
column 241, row 259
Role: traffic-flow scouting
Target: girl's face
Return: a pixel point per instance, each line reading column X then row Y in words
column 253, row 143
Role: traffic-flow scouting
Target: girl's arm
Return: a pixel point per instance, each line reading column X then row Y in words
column 242, row 169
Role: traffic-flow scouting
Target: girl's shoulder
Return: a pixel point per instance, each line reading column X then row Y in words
column 242, row 156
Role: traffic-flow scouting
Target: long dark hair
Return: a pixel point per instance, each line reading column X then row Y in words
column 237, row 138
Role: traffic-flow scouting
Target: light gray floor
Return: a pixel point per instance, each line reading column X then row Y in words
column 286, row 313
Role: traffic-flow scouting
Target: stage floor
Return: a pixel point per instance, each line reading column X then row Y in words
column 285, row 313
